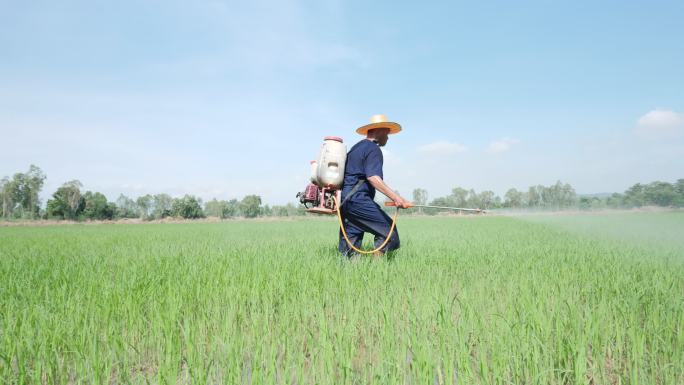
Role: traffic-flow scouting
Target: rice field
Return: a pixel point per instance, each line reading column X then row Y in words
column 466, row 300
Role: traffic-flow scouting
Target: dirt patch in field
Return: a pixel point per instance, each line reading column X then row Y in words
column 47, row 222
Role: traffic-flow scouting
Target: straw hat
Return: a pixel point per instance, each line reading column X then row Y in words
column 379, row 121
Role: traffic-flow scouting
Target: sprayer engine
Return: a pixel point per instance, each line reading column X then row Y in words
column 319, row 200
column 327, row 174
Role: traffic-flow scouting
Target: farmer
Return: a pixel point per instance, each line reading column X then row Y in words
column 362, row 176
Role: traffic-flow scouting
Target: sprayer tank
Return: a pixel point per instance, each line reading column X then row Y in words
column 314, row 172
column 331, row 161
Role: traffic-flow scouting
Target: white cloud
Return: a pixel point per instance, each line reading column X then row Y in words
column 660, row 123
column 442, row 147
column 501, row 145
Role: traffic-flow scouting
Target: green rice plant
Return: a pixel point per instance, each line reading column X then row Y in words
column 467, row 300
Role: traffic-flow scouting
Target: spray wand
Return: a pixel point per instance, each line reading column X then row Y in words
column 411, row 205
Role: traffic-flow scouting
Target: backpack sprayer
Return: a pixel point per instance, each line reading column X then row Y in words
column 327, row 174
column 323, row 194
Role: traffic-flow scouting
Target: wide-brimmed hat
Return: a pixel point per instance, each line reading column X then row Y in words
column 379, row 121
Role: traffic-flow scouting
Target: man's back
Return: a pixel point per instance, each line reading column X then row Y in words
column 364, row 160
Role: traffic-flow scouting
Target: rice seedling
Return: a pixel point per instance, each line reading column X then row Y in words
column 490, row 300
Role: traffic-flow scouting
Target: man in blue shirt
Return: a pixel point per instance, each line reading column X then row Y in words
column 362, row 176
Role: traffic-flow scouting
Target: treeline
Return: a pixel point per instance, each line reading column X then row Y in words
column 19, row 196
column 662, row 194
column 560, row 196
column 20, row 200
column 557, row 196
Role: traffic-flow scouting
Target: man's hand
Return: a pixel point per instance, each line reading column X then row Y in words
column 402, row 203
column 380, row 185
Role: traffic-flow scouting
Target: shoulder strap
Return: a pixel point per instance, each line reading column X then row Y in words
column 353, row 190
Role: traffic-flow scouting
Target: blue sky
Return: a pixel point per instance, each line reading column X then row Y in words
column 222, row 99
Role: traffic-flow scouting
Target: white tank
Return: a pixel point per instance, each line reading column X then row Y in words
column 314, row 172
column 331, row 162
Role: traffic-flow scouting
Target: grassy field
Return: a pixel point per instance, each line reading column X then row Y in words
column 475, row 300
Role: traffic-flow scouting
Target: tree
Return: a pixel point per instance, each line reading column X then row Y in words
column 458, row 197
column 288, row 210
column 679, row 188
column 420, row 197
column 279, row 211
column 552, row 195
column 126, row 207
column 35, row 178
column 20, row 195
column 232, row 209
column 6, row 190
column 162, row 206
column 226, row 209
column 250, row 206
column 19, row 191
column 590, row 203
column 215, row 208
column 513, row 198
column 660, row 194
column 144, row 204
column 97, row 207
column 615, row 201
column 568, row 195
column 534, row 196
column 486, row 199
column 473, row 200
column 634, row 196
column 67, row 202
column 441, row 201
column 548, row 197
column 188, row 207
column 27, row 189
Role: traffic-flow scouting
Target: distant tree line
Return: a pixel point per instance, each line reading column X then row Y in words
column 662, row 194
column 19, row 196
column 559, row 196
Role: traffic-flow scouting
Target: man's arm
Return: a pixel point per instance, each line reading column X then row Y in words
column 380, row 185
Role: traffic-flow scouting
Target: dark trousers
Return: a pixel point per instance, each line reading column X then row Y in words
column 363, row 215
